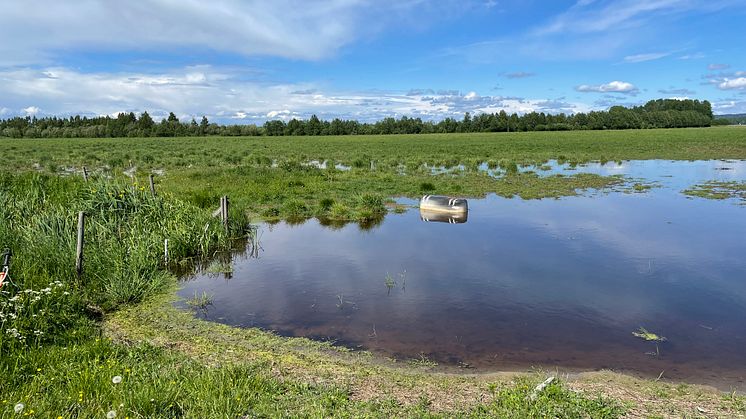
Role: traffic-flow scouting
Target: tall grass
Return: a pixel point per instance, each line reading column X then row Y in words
column 123, row 258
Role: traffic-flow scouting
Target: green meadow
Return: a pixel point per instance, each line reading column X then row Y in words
column 110, row 343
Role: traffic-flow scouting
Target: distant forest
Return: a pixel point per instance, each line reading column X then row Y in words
column 661, row 113
column 732, row 119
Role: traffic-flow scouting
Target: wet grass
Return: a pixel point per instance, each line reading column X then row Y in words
column 200, row 301
column 388, row 151
column 268, row 178
column 719, row 190
column 64, row 338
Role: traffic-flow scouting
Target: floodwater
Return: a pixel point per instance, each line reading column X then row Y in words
column 552, row 283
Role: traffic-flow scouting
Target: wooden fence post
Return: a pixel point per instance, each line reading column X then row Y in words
column 224, row 213
column 85, row 173
column 152, row 185
column 79, row 250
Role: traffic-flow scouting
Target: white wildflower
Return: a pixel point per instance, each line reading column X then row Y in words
column 19, row 408
column 112, row 414
column 117, row 379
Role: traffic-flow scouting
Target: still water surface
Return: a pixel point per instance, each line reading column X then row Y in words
column 551, row 283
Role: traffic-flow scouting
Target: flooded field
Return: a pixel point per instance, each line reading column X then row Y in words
column 549, row 283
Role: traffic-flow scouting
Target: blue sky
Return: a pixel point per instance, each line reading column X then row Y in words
column 249, row 61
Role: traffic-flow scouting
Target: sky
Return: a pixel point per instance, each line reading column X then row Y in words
column 249, row 61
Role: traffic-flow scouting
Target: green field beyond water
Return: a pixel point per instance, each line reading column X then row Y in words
column 269, row 177
column 111, row 341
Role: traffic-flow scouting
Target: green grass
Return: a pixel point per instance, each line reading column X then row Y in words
column 64, row 338
column 388, row 151
column 719, row 190
column 267, row 177
column 200, row 301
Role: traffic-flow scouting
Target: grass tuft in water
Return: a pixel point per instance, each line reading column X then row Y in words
column 200, row 301
column 219, row 267
column 643, row 333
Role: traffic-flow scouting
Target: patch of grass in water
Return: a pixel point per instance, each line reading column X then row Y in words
column 389, row 281
column 643, row 333
column 219, row 267
column 200, row 301
column 718, row 190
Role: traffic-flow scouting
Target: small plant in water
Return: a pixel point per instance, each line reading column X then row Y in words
column 389, row 281
column 219, row 267
column 200, row 301
column 643, row 333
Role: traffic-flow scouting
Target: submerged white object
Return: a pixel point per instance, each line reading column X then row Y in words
column 443, row 204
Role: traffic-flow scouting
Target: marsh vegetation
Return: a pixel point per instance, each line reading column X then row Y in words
column 64, row 338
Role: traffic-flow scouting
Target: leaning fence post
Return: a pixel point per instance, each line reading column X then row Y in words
column 85, row 173
column 152, row 185
column 79, row 250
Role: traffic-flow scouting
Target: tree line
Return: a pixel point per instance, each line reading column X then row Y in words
column 732, row 119
column 660, row 113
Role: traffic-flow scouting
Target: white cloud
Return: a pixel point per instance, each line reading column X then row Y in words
column 639, row 58
column 471, row 96
column 611, row 87
column 729, row 107
column 602, row 16
column 714, row 67
column 731, row 84
column 225, row 95
column 31, row 110
column 35, row 33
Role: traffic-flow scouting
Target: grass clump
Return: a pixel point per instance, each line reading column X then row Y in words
column 643, row 333
column 389, row 281
column 200, row 301
column 718, row 190
column 554, row 401
column 427, row 187
column 219, row 267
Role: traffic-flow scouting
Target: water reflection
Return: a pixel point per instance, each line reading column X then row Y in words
column 560, row 283
column 444, row 217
